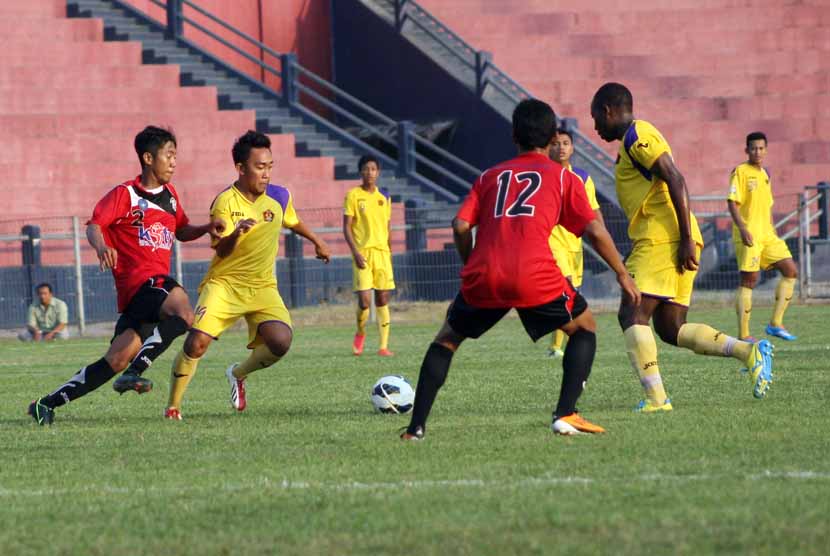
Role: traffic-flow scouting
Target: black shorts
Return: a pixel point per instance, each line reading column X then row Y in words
column 538, row 321
column 143, row 311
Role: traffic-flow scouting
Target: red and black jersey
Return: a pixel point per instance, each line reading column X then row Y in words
column 141, row 226
column 516, row 205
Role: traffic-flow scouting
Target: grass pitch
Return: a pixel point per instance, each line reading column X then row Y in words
column 309, row 469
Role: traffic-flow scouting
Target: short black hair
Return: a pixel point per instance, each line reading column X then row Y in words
column 46, row 285
column 565, row 131
column 614, row 95
column 151, row 139
column 251, row 140
column 756, row 136
column 534, row 124
column 365, row 159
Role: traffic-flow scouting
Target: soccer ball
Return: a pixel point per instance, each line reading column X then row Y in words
column 393, row 394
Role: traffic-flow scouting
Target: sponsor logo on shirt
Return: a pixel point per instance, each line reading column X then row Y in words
column 157, row 236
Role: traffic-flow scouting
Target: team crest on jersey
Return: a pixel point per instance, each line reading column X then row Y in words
column 268, row 216
column 173, row 203
column 361, row 205
column 380, row 202
column 752, row 183
column 156, row 236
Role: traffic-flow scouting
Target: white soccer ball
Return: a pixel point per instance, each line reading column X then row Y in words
column 393, row 394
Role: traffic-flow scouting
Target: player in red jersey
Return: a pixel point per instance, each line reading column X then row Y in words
column 132, row 230
column 515, row 205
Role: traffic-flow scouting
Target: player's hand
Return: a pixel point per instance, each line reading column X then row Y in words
column 216, row 228
column 37, row 335
column 49, row 336
column 107, row 257
column 244, row 225
column 686, row 255
column 322, row 252
column 629, row 289
column 746, row 237
column 359, row 261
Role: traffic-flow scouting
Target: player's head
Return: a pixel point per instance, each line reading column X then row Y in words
column 253, row 160
column 156, row 150
column 612, row 108
column 756, row 147
column 44, row 292
column 534, row 124
column 562, row 146
column 369, row 168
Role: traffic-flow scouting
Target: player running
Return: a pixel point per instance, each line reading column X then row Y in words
column 132, row 230
column 757, row 246
column 515, row 205
column 664, row 257
column 241, row 281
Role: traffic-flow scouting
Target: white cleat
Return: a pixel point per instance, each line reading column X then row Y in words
column 238, row 401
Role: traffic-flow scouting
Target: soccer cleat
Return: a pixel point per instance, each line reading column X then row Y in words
column 385, row 353
column 418, row 434
column 556, row 353
column 574, row 424
column 780, row 332
column 750, row 339
column 42, row 414
column 759, row 368
column 645, row 406
column 238, row 401
column 131, row 381
column 173, row 414
column 357, row 344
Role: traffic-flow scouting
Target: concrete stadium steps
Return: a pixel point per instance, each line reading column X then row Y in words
column 112, row 99
column 39, row 8
column 60, row 54
column 22, row 78
column 28, row 28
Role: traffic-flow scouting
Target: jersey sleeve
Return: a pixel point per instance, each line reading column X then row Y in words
column 576, row 210
column 289, row 215
column 348, row 205
column 31, row 317
column 63, row 313
column 470, row 207
column 219, row 210
column 736, row 187
column 591, row 191
column 111, row 207
column 648, row 147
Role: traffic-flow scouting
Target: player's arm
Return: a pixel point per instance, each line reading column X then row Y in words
column 735, row 212
column 604, row 245
column 321, row 250
column 462, row 234
column 107, row 256
column 225, row 245
column 348, row 220
column 665, row 169
column 31, row 323
column 189, row 232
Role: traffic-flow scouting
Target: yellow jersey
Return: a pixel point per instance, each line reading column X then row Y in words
column 560, row 238
column 371, row 214
column 750, row 187
column 643, row 196
column 252, row 263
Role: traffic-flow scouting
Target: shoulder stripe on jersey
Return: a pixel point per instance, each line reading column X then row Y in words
column 630, row 138
column 583, row 175
column 385, row 192
column 767, row 172
column 279, row 194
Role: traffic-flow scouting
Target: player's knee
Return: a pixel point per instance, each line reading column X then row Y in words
column 667, row 332
column 789, row 271
column 749, row 279
column 279, row 346
column 196, row 345
column 118, row 361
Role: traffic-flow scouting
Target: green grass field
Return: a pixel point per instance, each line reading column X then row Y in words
column 309, row 469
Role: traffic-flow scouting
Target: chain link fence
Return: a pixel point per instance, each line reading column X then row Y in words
column 55, row 250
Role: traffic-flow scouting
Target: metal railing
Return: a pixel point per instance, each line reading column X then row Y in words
column 813, row 207
column 306, row 92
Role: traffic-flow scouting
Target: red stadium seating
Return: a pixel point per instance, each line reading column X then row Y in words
column 705, row 72
column 71, row 104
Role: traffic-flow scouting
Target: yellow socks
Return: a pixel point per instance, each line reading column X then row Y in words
column 557, row 340
column 362, row 318
column 383, row 325
column 642, row 352
column 783, row 295
column 260, row 358
column 705, row 340
column 743, row 307
column 184, row 368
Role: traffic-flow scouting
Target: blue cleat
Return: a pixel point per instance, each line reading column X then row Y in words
column 759, row 368
column 780, row 332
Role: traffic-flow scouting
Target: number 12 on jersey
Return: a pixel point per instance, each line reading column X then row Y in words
column 530, row 182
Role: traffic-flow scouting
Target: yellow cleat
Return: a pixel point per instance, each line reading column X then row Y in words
column 645, row 406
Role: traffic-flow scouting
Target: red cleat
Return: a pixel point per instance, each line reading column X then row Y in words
column 357, row 344
column 385, row 353
column 173, row 414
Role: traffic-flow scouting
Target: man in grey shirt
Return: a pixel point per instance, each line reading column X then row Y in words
column 47, row 317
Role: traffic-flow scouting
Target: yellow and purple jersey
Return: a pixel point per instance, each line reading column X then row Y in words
column 371, row 213
column 750, row 188
column 560, row 238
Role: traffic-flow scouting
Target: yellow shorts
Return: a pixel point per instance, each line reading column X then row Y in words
column 654, row 268
column 762, row 255
column 570, row 263
column 378, row 272
column 221, row 305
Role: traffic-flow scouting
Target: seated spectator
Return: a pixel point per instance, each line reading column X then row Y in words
column 47, row 317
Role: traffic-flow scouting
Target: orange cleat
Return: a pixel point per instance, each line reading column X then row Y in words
column 385, row 353
column 173, row 414
column 574, row 424
column 357, row 344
